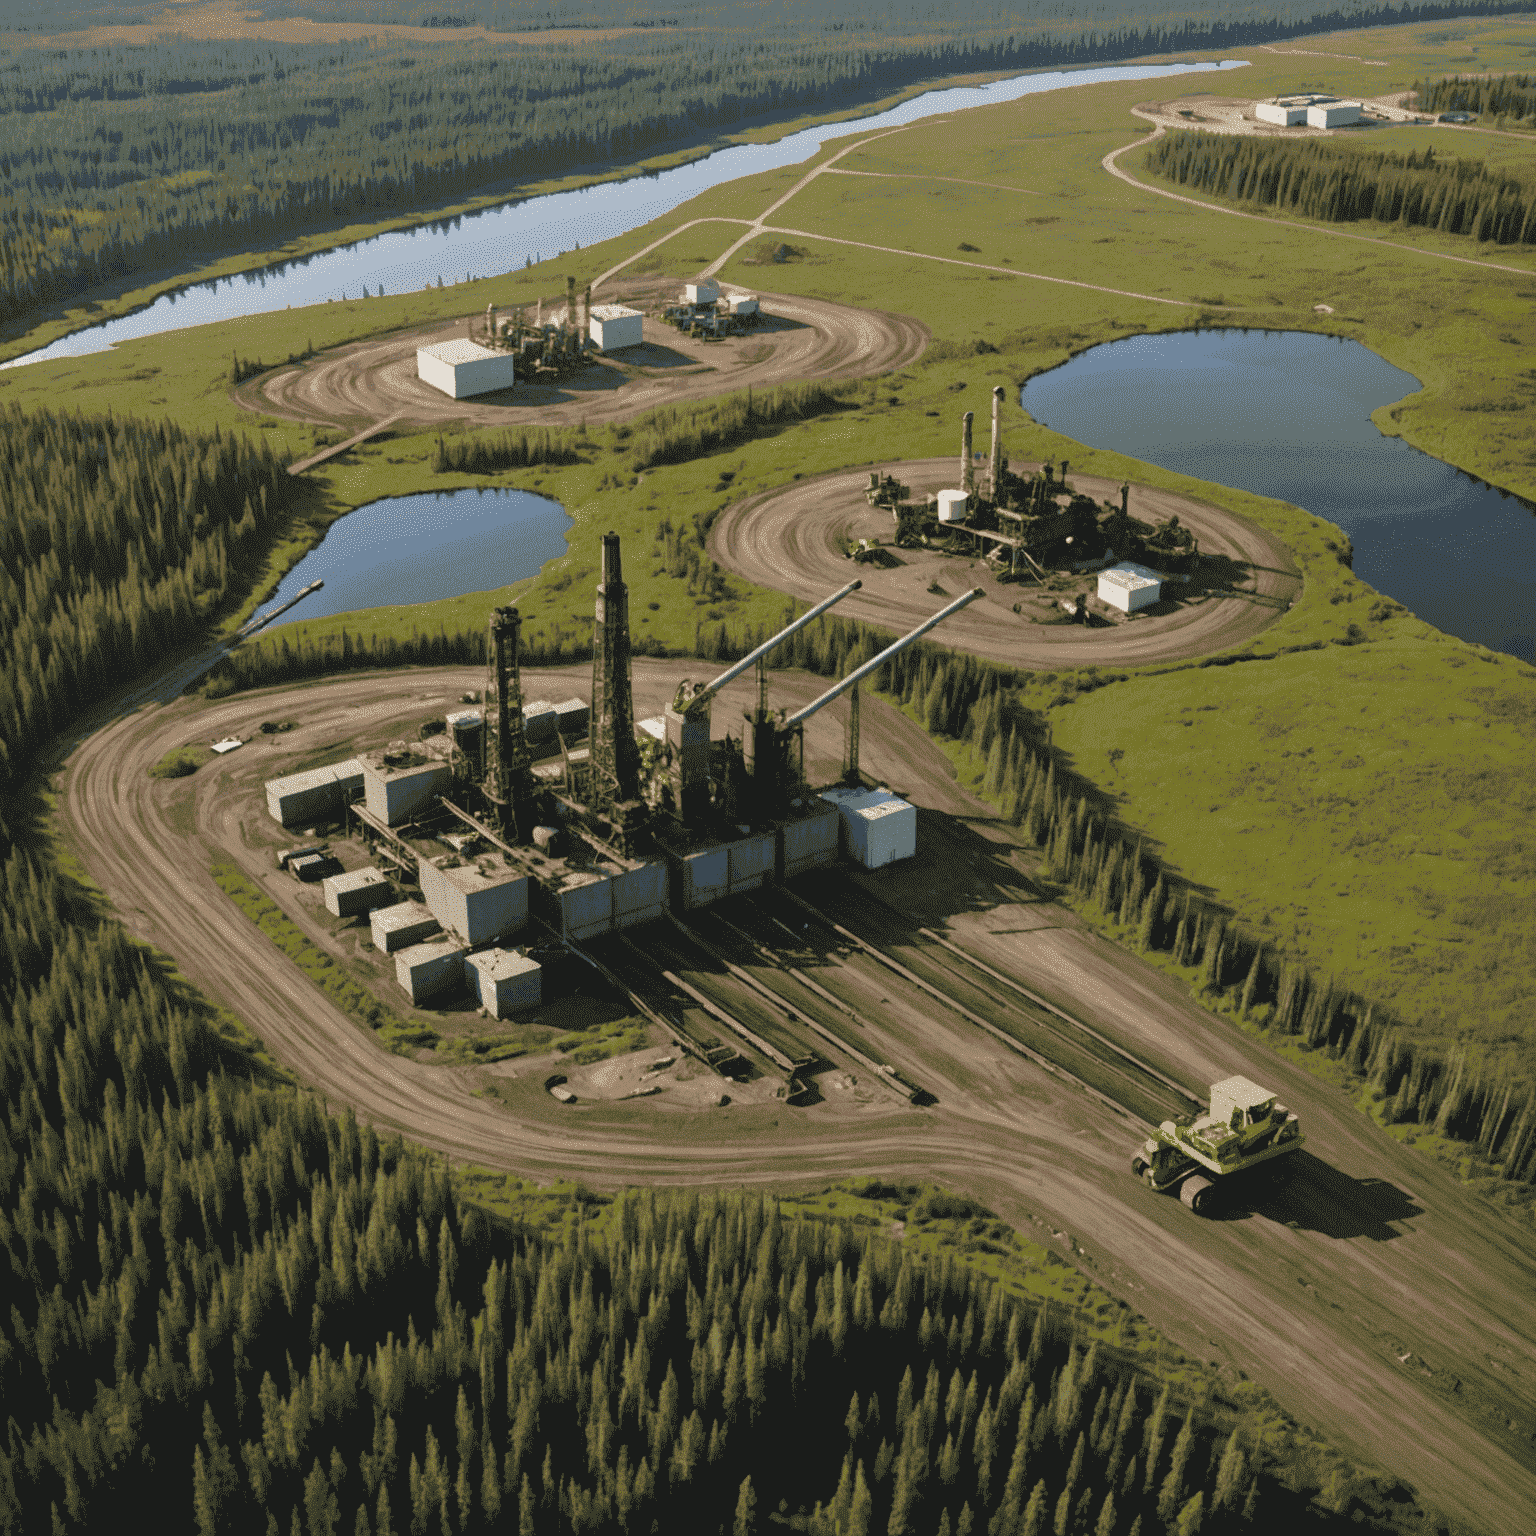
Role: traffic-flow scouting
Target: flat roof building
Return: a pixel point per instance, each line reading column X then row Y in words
column 880, row 827
column 400, row 926
column 705, row 291
column 1334, row 114
column 395, row 791
column 359, row 890
column 1129, row 587
column 616, row 325
column 479, row 902
column 505, row 981
column 425, row 970
column 314, row 795
column 462, row 367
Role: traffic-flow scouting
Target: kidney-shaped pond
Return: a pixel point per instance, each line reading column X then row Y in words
column 1288, row 414
column 417, row 549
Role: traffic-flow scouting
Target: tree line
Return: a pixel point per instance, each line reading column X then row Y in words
column 119, row 159
column 120, row 538
column 1322, row 179
column 1512, row 97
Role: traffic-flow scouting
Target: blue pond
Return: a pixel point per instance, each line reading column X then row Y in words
column 1287, row 414
column 417, row 549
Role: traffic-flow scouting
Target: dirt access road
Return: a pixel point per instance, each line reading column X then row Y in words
column 798, row 339
column 1381, row 1302
column 793, row 539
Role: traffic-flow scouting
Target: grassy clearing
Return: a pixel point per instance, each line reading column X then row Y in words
column 615, row 1038
column 398, row 1035
column 181, row 761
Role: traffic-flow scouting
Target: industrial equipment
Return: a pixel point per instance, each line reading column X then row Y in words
column 687, row 741
column 1245, row 1128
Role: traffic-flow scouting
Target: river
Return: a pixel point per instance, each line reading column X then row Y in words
column 1288, row 414
column 505, row 237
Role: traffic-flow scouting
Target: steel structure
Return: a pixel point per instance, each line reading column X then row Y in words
column 506, row 779
column 614, row 752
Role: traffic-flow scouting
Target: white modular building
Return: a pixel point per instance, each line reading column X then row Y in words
column 1284, row 114
column 395, row 793
column 359, row 890
column 476, row 904
column 1129, row 587
column 742, row 303
column 1333, row 114
column 400, row 926
column 705, row 291
column 424, row 970
column 505, row 981
column 315, row 795
column 616, row 325
column 879, row 827
column 462, row 367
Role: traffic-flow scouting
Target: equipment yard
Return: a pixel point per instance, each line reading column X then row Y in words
column 798, row 539
column 795, row 338
column 1374, row 1288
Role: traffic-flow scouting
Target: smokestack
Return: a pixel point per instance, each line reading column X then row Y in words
column 1125, row 498
column 538, row 316
column 995, row 468
column 967, row 469
column 570, row 302
column 615, row 753
column 586, row 313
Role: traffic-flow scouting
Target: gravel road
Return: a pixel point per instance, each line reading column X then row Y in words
column 1380, row 1301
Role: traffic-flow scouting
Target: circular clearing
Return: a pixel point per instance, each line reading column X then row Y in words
column 798, row 339
column 795, row 539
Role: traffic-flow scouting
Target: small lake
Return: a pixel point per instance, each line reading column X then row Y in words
column 418, row 549
column 1288, row 414
column 504, row 238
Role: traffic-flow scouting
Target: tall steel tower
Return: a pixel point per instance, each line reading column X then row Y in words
column 615, row 754
column 508, row 762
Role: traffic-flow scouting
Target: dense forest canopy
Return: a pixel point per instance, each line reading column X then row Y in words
column 118, row 159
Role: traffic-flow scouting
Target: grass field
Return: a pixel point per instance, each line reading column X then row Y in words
column 1387, row 846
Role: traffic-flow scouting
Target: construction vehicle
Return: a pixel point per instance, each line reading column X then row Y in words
column 1245, row 1129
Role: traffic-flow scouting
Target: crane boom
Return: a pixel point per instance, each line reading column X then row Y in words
column 877, row 662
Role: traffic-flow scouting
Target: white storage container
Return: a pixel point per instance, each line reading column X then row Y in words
column 425, row 970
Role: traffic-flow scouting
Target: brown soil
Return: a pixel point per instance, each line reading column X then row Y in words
column 797, row 339
column 1380, row 1300
column 794, row 538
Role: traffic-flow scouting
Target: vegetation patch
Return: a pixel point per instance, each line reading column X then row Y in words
column 179, row 762
column 614, row 1038
column 402, row 1036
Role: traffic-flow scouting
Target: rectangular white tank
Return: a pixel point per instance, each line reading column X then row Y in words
column 705, row 291
column 952, row 506
column 505, row 981
column 395, row 795
column 639, row 895
column 751, row 861
column 360, row 890
column 400, row 926
column 477, row 906
column 810, row 841
column 462, row 367
column 425, row 970
column 616, row 325
column 313, row 866
column 539, row 721
column 1282, row 113
column 742, row 303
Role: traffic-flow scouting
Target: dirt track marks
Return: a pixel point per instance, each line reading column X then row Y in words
column 1318, row 1310
column 791, row 539
column 802, row 339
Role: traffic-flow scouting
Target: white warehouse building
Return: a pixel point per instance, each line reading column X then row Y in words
column 616, row 325
column 462, row 367
column 1333, row 114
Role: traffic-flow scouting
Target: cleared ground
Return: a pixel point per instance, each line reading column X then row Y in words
column 794, row 539
column 1376, row 1295
column 797, row 339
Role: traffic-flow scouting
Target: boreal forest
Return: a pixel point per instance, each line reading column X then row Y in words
column 1323, row 179
column 117, row 161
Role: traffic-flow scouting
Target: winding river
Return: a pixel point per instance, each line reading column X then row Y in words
column 505, row 237
column 1288, row 414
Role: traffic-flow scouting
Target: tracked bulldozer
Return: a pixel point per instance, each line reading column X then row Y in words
column 1245, row 1129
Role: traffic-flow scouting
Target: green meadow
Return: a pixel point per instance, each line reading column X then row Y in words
column 1360, row 791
